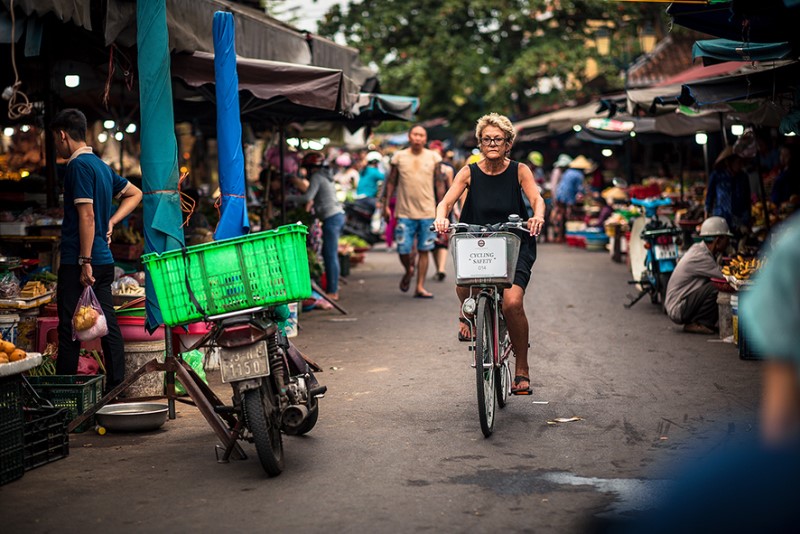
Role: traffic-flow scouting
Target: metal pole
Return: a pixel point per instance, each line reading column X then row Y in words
column 170, row 375
column 51, row 178
column 281, row 142
column 705, row 160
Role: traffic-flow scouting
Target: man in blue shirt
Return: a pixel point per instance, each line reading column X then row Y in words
column 86, row 260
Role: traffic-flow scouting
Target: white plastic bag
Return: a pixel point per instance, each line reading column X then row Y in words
column 88, row 321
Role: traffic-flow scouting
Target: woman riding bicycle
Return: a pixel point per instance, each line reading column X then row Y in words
column 495, row 187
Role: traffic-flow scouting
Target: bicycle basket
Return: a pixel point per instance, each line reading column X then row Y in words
column 489, row 259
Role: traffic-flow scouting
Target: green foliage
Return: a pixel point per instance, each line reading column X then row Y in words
column 467, row 58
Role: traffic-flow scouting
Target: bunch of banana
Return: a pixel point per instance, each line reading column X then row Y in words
column 742, row 268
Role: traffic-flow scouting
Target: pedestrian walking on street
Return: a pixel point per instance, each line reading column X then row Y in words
column 413, row 175
column 496, row 185
column 89, row 219
column 443, row 183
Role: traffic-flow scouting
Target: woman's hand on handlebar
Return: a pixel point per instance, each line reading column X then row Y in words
column 441, row 225
column 535, row 225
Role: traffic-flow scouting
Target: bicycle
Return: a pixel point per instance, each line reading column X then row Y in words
column 485, row 259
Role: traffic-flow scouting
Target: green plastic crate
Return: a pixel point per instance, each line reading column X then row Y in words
column 76, row 393
column 46, row 438
column 11, row 425
column 261, row 269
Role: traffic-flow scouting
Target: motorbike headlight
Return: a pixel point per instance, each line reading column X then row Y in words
column 469, row 305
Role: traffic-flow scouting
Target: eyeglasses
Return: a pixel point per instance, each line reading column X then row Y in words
column 489, row 141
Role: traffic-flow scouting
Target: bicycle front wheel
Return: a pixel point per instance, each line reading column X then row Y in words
column 484, row 363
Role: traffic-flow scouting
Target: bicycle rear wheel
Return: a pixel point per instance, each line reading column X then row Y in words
column 484, row 364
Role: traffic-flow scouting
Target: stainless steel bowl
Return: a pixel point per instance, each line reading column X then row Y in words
column 132, row 416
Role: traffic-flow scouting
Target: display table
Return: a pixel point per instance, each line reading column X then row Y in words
column 27, row 304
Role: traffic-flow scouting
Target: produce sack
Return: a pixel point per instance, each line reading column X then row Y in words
column 88, row 322
column 195, row 360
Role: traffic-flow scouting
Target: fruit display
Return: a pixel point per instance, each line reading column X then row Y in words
column 741, row 268
column 760, row 214
column 10, row 353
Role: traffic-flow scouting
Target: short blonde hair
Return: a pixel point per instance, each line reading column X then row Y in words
column 498, row 121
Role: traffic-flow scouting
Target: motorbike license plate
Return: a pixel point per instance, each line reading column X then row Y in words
column 244, row 362
column 666, row 252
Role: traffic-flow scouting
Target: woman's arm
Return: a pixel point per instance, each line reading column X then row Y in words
column 528, row 184
column 460, row 184
column 310, row 192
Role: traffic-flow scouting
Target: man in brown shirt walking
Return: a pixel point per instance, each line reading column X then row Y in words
column 412, row 177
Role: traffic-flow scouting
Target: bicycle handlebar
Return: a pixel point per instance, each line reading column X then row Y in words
column 511, row 224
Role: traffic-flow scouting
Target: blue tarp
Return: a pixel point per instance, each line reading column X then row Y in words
column 233, row 220
column 159, row 157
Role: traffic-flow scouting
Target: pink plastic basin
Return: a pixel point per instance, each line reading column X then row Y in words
column 132, row 329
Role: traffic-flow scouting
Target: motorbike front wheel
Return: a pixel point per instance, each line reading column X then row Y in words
column 259, row 412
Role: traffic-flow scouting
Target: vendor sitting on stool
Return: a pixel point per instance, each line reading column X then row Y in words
column 691, row 297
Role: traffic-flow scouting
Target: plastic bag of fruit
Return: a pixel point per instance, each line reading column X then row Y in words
column 88, row 321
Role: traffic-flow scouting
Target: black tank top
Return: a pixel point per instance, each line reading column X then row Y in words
column 491, row 199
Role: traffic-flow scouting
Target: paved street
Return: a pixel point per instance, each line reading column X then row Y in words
column 398, row 447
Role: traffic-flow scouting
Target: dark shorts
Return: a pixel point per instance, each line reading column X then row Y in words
column 525, row 261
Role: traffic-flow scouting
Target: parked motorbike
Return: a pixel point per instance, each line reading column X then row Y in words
column 653, row 251
column 274, row 388
column 358, row 219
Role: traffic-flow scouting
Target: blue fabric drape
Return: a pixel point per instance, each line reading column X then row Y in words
column 233, row 220
column 159, row 157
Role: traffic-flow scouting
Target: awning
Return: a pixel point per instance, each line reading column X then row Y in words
column 765, row 21
column 560, row 121
column 189, row 25
column 379, row 107
column 275, row 83
column 763, row 83
column 663, row 98
column 718, row 50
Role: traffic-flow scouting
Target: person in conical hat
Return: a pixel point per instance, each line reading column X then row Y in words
column 570, row 192
column 582, row 163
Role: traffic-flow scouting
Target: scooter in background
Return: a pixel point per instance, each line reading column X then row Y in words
column 654, row 251
column 358, row 216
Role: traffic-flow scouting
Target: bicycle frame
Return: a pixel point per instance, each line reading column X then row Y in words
column 485, row 259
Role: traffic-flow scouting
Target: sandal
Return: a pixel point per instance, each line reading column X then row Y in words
column 405, row 282
column 516, row 389
column 462, row 337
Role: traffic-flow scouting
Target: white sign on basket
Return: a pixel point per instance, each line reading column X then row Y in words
column 482, row 257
